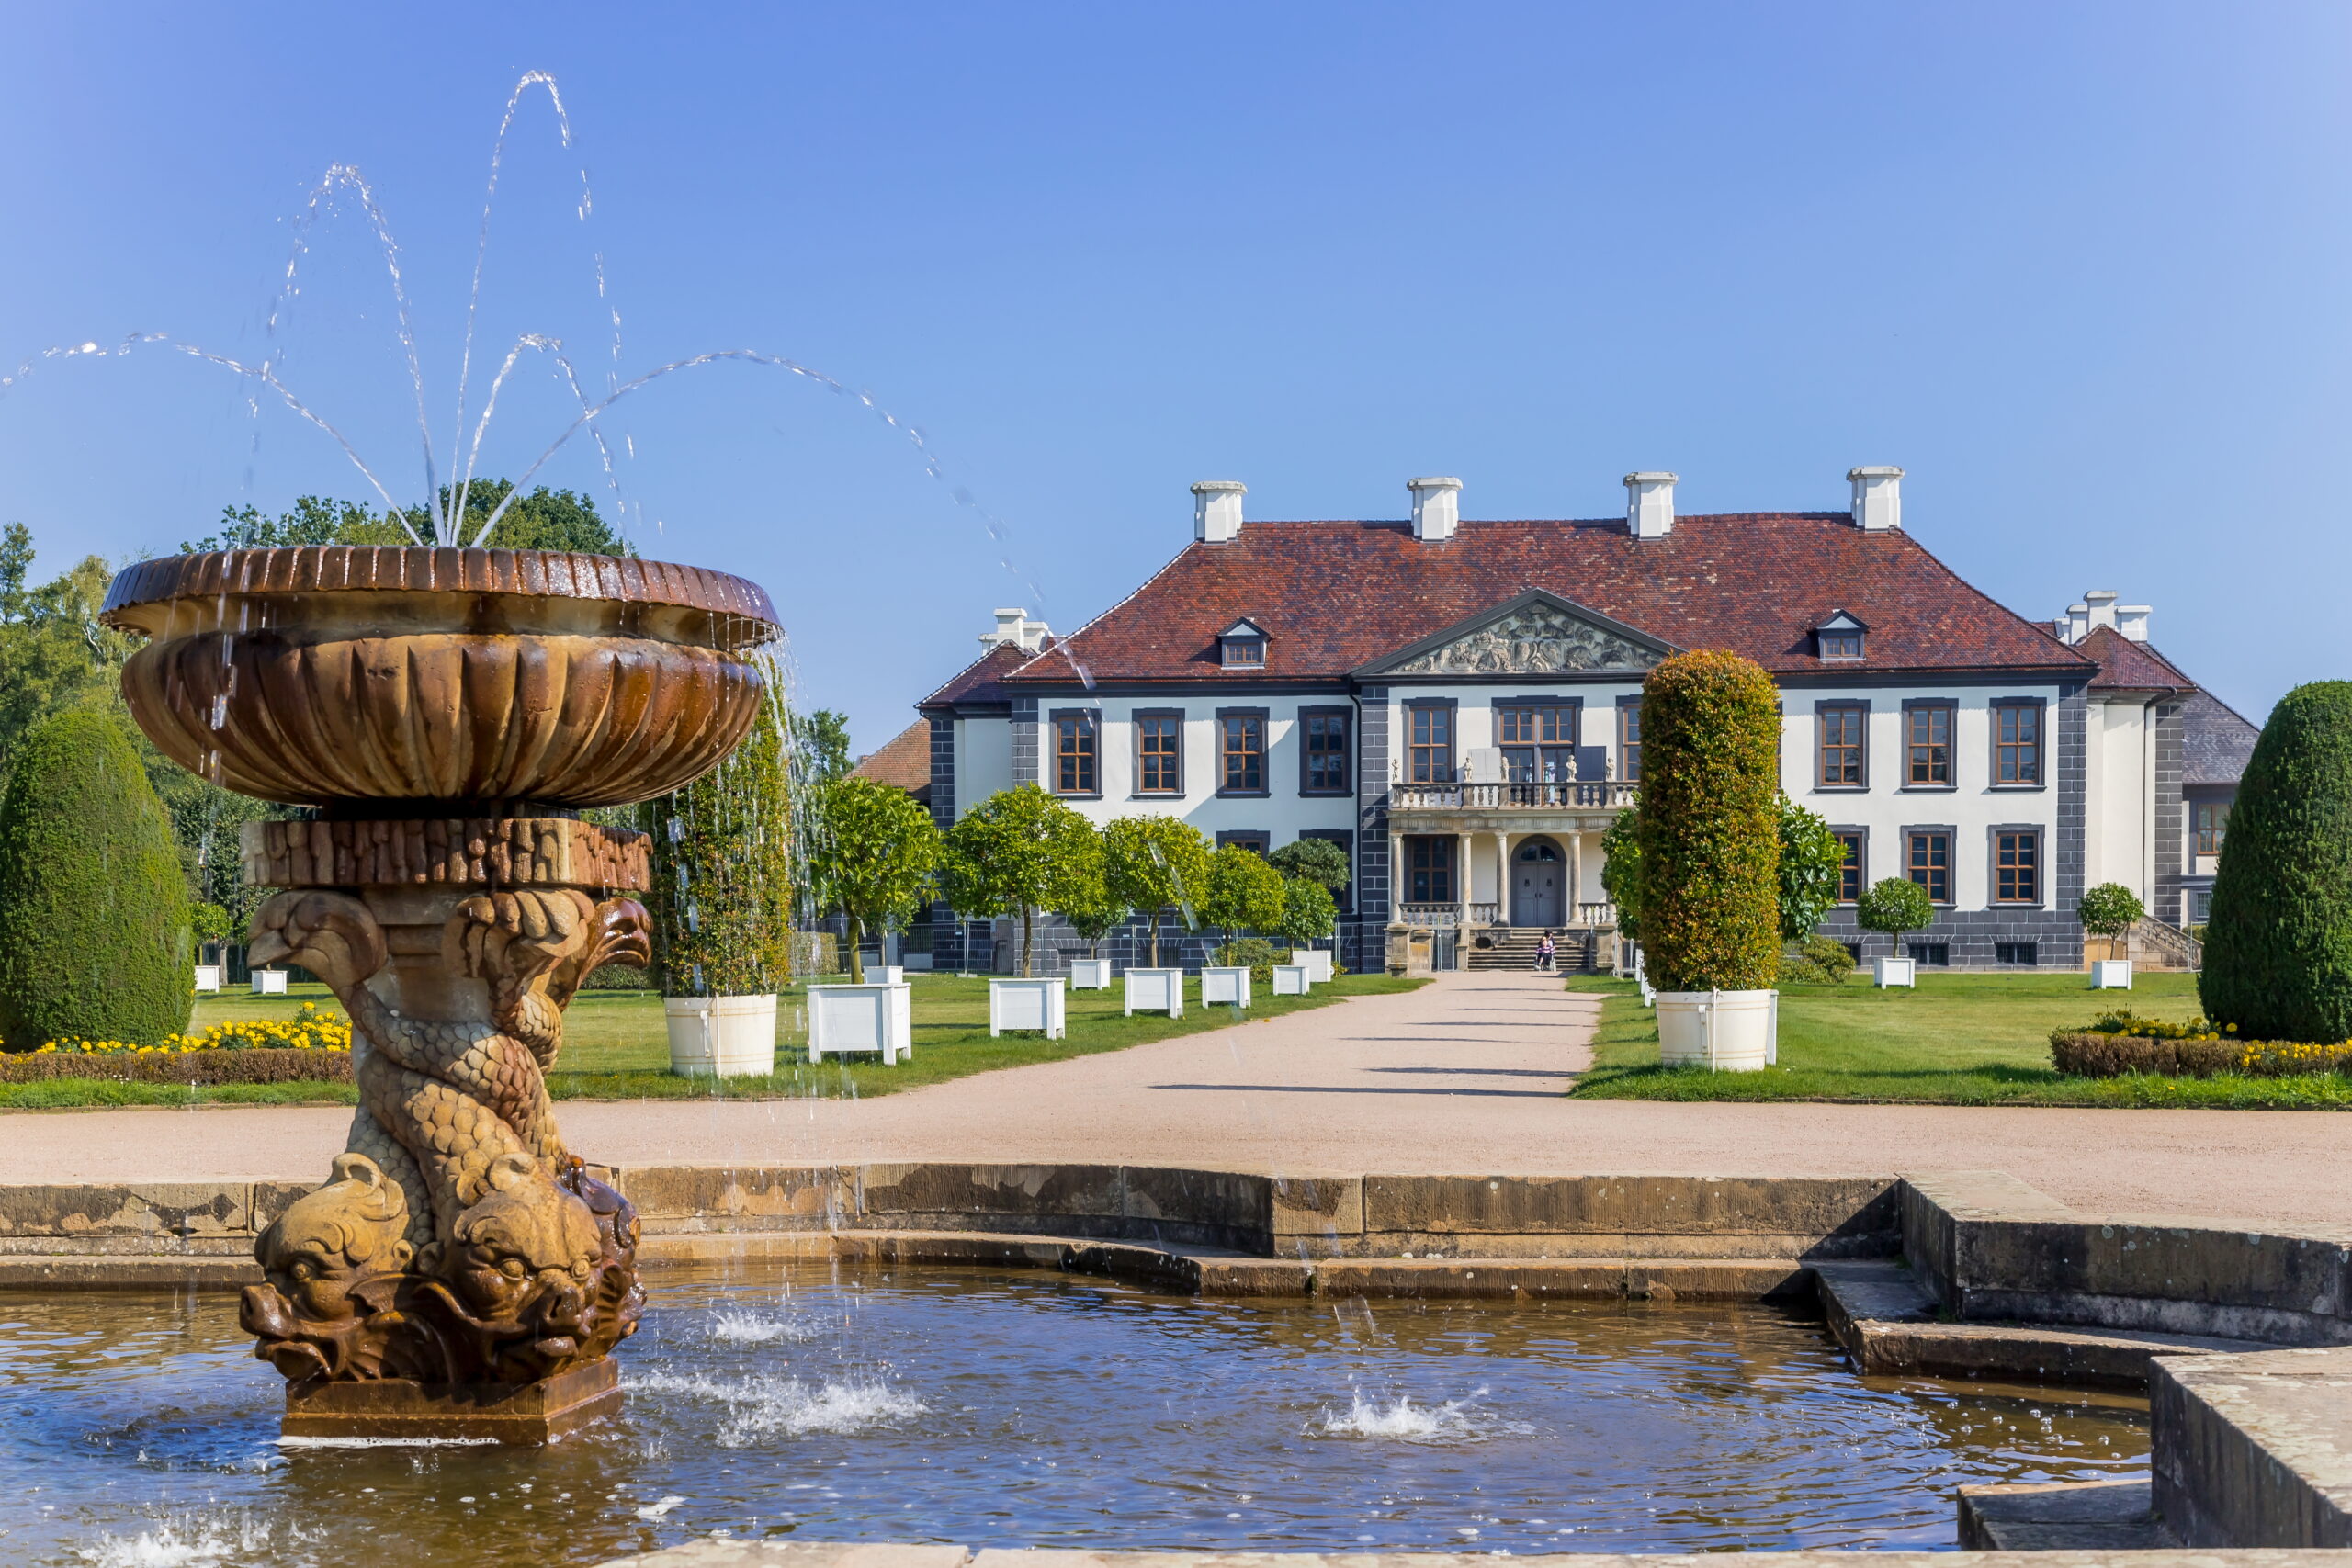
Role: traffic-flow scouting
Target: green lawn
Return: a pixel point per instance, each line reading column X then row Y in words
column 1957, row 1040
column 616, row 1047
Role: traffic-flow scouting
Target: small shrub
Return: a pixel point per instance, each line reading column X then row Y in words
column 2098, row 1055
column 1796, row 969
column 1256, row 954
column 1830, row 955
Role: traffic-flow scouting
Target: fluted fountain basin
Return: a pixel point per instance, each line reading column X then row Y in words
column 388, row 682
column 990, row 1408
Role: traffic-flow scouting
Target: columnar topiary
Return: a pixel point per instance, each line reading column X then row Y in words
column 2279, row 945
column 1710, row 824
column 722, row 892
column 93, row 914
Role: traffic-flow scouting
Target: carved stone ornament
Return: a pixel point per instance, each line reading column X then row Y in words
column 1537, row 640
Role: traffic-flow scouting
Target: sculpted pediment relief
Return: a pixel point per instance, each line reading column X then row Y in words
column 1536, row 637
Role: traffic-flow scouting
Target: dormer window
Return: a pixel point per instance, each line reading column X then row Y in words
column 1839, row 640
column 1242, row 646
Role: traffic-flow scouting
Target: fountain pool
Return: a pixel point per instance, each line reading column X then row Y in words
column 1037, row 1409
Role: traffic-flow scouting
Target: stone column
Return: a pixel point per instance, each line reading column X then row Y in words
column 1461, row 863
column 1576, row 877
column 1502, row 879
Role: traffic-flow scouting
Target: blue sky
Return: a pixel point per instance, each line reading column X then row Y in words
column 2080, row 269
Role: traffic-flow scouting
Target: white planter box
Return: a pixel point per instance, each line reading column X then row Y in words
column 1729, row 1032
column 886, row 974
column 1027, row 1003
column 1292, row 979
column 1224, row 985
column 207, row 976
column 1090, row 974
column 2110, row 974
column 1156, row 990
column 268, row 982
column 861, row 1018
column 723, row 1037
column 1315, row 961
column 1896, row 972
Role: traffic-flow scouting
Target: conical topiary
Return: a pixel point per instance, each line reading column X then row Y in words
column 94, row 911
column 2278, row 942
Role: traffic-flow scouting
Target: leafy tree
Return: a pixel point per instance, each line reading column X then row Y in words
column 1318, row 860
column 820, row 745
column 311, row 520
column 1156, row 864
column 1309, row 913
column 1095, row 913
column 93, row 916
column 1621, row 872
column 723, row 894
column 1709, row 821
column 1245, row 893
column 2279, row 943
column 15, row 560
column 1023, row 850
column 2109, row 910
column 1895, row 905
column 55, row 657
column 209, row 925
column 875, row 857
column 1813, row 863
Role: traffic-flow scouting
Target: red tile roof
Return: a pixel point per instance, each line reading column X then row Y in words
column 904, row 760
column 2125, row 665
column 1335, row 596
column 979, row 681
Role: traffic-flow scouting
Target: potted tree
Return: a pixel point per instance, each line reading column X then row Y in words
column 1309, row 916
column 721, row 904
column 1895, row 905
column 2110, row 910
column 1709, row 825
column 1245, row 895
column 1321, row 864
column 1093, row 916
column 872, row 857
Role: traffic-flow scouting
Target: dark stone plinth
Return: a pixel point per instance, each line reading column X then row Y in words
column 524, row 1414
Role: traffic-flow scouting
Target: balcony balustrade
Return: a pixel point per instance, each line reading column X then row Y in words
column 1583, row 795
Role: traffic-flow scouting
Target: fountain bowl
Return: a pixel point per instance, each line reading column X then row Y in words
column 388, row 682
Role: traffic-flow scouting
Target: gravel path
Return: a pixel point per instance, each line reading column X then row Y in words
column 1462, row 1075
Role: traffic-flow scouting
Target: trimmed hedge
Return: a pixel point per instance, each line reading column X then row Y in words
column 181, row 1067
column 721, row 900
column 94, row 911
column 1710, row 824
column 2279, row 945
column 2098, row 1055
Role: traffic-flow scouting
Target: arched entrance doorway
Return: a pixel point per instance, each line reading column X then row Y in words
column 1539, row 879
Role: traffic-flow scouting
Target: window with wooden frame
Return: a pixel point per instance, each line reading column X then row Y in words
column 1325, row 766
column 1430, row 744
column 1629, row 739
column 1843, row 726
column 1538, row 741
column 1251, row 839
column 2016, row 745
column 1242, row 646
column 1927, row 745
column 1928, row 860
column 1428, row 863
column 2212, row 820
column 1159, row 753
column 1242, row 751
column 2016, row 865
column 1075, row 763
column 1850, row 843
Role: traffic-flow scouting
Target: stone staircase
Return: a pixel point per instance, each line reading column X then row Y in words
column 1513, row 947
column 2155, row 945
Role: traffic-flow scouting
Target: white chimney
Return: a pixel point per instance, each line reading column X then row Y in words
column 1216, row 510
column 1649, row 505
column 1878, row 496
column 1013, row 626
column 1437, row 507
column 2132, row 620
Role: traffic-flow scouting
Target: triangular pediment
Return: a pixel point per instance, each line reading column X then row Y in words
column 1535, row 634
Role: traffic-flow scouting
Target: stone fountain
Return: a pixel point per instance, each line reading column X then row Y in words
column 445, row 713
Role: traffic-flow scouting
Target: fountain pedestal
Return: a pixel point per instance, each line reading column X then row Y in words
column 462, row 1273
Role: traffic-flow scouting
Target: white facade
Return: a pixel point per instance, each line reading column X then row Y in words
column 2007, row 790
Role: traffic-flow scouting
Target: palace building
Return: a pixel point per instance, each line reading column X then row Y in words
column 1457, row 705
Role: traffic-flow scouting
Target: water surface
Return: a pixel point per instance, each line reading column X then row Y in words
column 1019, row 1409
